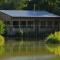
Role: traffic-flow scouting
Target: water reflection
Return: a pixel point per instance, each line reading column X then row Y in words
column 53, row 48
column 2, row 50
column 26, row 48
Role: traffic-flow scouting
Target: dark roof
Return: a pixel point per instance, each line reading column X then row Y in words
column 28, row 13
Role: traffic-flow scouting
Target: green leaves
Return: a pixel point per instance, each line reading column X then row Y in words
column 54, row 38
column 2, row 41
column 2, row 27
column 50, row 5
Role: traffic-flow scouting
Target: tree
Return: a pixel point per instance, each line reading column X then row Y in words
column 50, row 5
column 20, row 4
column 12, row 4
column 2, row 27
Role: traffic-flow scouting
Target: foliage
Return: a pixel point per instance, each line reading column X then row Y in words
column 50, row 5
column 2, row 50
column 2, row 27
column 21, row 4
column 1, row 40
column 12, row 4
column 54, row 48
column 54, row 38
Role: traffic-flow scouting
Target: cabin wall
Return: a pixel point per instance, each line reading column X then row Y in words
column 40, row 26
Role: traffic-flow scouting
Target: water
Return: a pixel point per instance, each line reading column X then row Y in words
column 29, row 50
column 31, row 58
column 53, row 48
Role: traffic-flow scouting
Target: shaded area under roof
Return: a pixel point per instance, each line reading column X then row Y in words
column 28, row 13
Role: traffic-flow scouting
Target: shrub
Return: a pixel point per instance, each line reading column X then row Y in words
column 1, row 40
column 2, row 45
column 54, row 38
column 2, row 27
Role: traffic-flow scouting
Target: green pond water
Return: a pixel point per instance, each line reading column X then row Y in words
column 29, row 48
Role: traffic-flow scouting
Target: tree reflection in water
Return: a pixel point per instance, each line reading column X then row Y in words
column 53, row 48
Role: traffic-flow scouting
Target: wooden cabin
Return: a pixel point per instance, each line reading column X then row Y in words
column 39, row 22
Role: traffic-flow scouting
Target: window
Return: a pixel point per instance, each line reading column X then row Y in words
column 7, row 22
column 56, row 24
column 23, row 24
column 43, row 24
column 16, row 24
column 49, row 24
column 30, row 24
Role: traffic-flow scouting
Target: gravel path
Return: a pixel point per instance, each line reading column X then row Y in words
column 46, row 57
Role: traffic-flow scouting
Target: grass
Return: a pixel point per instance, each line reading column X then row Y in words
column 56, row 58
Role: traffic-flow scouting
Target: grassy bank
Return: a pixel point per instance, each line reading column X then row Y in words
column 56, row 58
